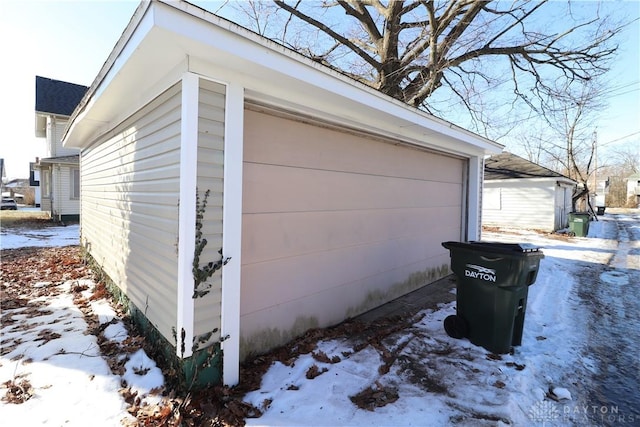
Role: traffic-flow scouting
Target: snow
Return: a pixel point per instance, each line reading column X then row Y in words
column 11, row 238
column 49, row 344
column 435, row 378
column 561, row 393
column 72, row 382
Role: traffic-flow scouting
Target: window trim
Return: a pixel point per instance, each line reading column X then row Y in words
column 74, row 183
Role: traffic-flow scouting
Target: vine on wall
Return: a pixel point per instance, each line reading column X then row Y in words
column 202, row 273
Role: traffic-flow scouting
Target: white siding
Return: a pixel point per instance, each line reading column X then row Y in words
column 563, row 206
column 210, row 177
column 130, row 192
column 63, row 203
column 55, row 131
column 519, row 204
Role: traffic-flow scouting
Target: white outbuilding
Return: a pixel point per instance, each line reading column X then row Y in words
column 326, row 197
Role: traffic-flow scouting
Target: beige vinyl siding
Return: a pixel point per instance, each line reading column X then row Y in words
column 335, row 224
column 522, row 204
column 211, row 113
column 130, row 196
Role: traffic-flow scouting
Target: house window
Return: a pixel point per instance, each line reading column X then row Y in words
column 45, row 176
column 75, row 183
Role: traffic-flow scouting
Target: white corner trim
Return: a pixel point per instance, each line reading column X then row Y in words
column 474, row 209
column 232, row 233
column 187, row 213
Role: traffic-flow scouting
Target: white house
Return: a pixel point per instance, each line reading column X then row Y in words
column 329, row 198
column 633, row 190
column 522, row 194
column 56, row 176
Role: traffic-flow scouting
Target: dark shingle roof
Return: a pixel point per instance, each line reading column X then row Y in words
column 57, row 97
column 507, row 165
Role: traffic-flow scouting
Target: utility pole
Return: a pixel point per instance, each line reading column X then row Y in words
column 595, row 169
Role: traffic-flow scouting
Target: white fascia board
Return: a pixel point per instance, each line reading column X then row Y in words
column 542, row 180
column 82, row 128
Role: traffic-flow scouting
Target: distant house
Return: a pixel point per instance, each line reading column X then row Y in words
column 58, row 172
column 633, row 190
column 601, row 192
column 34, row 182
column 329, row 198
column 522, row 194
column 20, row 190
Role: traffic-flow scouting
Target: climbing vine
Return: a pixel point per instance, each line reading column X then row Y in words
column 202, row 273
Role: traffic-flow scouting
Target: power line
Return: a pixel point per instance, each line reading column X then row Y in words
column 619, row 139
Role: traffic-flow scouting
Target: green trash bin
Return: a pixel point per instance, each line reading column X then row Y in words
column 493, row 282
column 579, row 223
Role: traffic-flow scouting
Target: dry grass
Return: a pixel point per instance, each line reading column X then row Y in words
column 22, row 218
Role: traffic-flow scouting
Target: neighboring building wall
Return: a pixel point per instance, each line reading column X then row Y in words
column 562, row 206
column 65, row 202
column 335, row 224
column 211, row 114
column 633, row 189
column 55, row 131
column 45, row 185
column 130, row 184
column 519, row 203
column 60, row 191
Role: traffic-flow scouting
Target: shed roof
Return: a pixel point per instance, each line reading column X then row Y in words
column 509, row 166
column 57, row 97
column 166, row 39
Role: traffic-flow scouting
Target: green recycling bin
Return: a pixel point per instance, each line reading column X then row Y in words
column 493, row 282
column 579, row 223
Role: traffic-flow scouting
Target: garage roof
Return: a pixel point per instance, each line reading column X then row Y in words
column 510, row 166
column 165, row 39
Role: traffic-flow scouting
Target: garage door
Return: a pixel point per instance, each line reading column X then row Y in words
column 335, row 224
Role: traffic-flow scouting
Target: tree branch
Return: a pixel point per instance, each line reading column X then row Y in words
column 361, row 53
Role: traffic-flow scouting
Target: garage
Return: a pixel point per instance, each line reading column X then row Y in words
column 335, row 223
column 325, row 197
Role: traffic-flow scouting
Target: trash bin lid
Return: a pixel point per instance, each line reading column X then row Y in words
column 494, row 246
column 528, row 247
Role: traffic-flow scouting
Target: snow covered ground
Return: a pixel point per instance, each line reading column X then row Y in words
column 442, row 381
column 53, row 366
column 20, row 237
column 418, row 376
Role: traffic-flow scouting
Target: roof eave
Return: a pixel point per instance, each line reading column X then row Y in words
column 61, row 160
column 203, row 41
column 558, row 179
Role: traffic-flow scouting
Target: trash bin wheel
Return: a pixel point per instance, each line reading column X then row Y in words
column 456, row 327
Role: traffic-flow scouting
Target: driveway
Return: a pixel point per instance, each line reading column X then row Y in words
column 611, row 352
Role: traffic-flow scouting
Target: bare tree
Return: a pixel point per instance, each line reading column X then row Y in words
column 627, row 158
column 621, row 163
column 570, row 112
column 464, row 49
